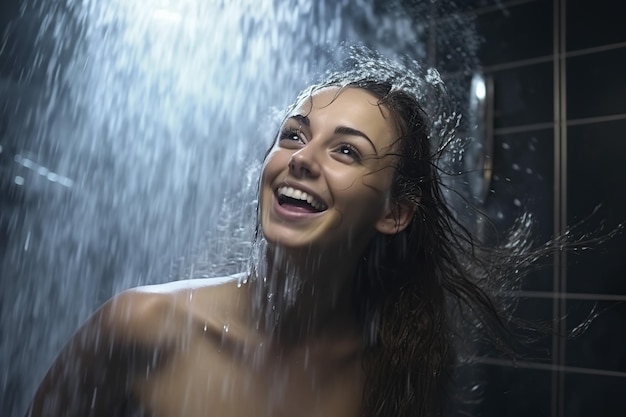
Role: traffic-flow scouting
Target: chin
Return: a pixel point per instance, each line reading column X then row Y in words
column 292, row 234
column 289, row 240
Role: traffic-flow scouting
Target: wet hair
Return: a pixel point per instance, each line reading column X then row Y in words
column 423, row 291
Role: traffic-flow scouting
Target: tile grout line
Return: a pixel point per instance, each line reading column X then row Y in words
column 595, row 49
column 547, row 58
column 566, row 296
column 523, row 128
column 519, row 63
column 596, row 119
column 498, row 7
column 549, row 125
column 556, row 400
column 563, row 196
column 548, row 367
column 486, row 9
column 539, row 59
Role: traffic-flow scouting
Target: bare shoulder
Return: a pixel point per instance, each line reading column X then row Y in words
column 163, row 313
column 185, row 286
column 138, row 329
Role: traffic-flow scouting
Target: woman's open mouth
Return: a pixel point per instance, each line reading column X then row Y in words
column 298, row 200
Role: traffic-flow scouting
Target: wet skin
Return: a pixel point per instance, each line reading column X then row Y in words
column 335, row 146
column 174, row 358
column 198, row 348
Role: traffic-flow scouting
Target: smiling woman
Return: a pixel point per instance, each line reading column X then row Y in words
column 348, row 309
column 324, row 152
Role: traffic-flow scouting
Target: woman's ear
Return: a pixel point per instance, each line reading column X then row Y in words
column 396, row 217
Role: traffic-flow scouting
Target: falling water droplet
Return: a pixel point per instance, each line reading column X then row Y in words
column 27, row 243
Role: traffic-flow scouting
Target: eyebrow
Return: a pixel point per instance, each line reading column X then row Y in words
column 344, row 130
column 340, row 130
column 302, row 119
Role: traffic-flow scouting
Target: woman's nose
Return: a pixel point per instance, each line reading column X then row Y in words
column 303, row 163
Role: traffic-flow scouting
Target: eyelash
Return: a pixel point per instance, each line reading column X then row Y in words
column 291, row 134
column 354, row 152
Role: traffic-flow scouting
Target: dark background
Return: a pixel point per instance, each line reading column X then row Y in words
column 559, row 73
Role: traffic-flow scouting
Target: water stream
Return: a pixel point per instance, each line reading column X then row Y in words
column 131, row 137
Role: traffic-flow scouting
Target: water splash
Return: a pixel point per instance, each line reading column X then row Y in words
column 145, row 117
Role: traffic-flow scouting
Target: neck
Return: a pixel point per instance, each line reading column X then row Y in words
column 297, row 297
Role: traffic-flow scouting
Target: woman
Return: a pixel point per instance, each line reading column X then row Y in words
column 348, row 307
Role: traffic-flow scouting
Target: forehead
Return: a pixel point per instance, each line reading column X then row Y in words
column 349, row 106
column 336, row 97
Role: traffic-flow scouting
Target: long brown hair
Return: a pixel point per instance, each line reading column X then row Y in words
column 413, row 288
column 412, row 285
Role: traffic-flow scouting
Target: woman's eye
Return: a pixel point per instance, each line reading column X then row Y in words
column 291, row 135
column 349, row 151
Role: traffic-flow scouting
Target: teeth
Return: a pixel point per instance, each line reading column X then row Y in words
column 301, row 195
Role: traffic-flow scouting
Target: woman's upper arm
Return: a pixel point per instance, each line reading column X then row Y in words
column 92, row 375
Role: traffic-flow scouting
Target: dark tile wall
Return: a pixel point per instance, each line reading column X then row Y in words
column 523, row 43
column 600, row 347
column 596, row 174
column 515, row 87
column 594, row 81
column 522, row 30
column 594, row 395
column 523, row 179
column 510, row 391
column 596, row 143
column 595, row 23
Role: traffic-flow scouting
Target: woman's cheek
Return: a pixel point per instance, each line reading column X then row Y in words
column 278, row 158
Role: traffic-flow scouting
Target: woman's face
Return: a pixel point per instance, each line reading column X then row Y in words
column 326, row 182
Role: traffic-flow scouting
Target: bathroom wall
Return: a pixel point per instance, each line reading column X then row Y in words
column 559, row 149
